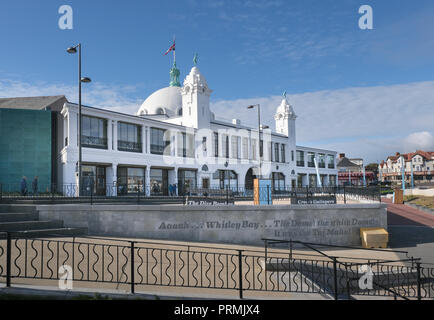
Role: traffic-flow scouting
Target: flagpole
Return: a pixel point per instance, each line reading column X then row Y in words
column 174, row 49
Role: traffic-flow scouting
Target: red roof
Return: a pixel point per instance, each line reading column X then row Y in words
column 427, row 155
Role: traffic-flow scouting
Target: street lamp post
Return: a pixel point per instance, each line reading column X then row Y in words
column 73, row 50
column 259, row 135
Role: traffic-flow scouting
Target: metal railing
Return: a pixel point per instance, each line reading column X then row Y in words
column 91, row 192
column 140, row 263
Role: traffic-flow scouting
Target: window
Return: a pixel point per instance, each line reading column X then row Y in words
column 204, row 146
column 129, row 137
column 182, row 144
column 278, row 180
column 227, row 179
column 331, row 161
column 321, row 160
column 292, row 153
column 225, row 146
column 270, row 151
column 216, row 144
column 159, row 142
column 283, row 155
column 300, row 158
column 261, row 148
column 130, row 180
column 310, row 159
column 94, row 132
column 234, row 148
column 276, row 152
column 332, row 180
column 238, row 147
column 245, row 148
column 253, row 149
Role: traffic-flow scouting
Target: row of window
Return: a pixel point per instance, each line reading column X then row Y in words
column 323, row 160
column 94, row 135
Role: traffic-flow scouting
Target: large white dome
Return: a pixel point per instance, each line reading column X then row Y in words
column 164, row 101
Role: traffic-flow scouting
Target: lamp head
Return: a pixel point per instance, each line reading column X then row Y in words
column 86, row 80
column 71, row 50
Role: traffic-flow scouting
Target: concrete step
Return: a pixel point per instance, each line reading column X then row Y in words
column 18, row 216
column 30, row 225
column 52, row 232
column 9, row 208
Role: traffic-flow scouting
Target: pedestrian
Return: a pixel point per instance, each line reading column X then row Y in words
column 170, row 190
column 35, row 186
column 174, row 189
column 23, row 186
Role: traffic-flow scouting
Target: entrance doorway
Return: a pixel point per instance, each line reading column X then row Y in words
column 205, row 183
column 186, row 180
column 159, row 179
column 250, row 176
column 93, row 180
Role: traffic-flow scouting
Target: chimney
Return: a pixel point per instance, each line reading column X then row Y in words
column 341, row 155
column 236, row 121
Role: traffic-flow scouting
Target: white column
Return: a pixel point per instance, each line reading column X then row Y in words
column 115, row 135
column 109, row 135
column 143, row 137
column 148, row 140
column 148, row 180
column 112, row 180
column 175, row 176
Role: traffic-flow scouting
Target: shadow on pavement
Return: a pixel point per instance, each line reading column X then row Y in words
column 409, row 236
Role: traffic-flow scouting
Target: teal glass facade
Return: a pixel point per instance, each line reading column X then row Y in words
column 25, row 148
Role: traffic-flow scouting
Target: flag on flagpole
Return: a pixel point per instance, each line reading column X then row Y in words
column 172, row 47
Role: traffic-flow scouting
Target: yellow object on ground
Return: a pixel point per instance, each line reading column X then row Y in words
column 374, row 237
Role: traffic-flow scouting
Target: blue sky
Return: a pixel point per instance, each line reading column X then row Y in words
column 248, row 50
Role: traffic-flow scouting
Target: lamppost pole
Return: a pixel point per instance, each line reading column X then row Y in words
column 79, row 120
column 80, row 80
column 259, row 135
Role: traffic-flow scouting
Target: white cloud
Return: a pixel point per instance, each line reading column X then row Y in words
column 419, row 141
column 369, row 122
column 113, row 97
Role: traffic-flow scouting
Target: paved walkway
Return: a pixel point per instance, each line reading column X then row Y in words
column 401, row 214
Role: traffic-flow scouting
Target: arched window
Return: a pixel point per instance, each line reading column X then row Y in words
column 179, row 111
column 160, row 111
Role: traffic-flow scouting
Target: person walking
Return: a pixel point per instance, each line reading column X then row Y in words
column 35, row 186
column 23, row 186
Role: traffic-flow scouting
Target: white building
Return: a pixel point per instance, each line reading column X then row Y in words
column 421, row 163
column 174, row 138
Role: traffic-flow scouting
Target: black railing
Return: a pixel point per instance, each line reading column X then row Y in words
column 91, row 192
column 94, row 142
column 129, row 146
column 140, row 263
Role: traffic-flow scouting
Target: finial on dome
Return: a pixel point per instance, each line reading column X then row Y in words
column 174, row 76
column 196, row 56
column 284, row 94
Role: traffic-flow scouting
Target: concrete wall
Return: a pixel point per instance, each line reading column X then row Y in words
column 332, row 224
column 420, row 192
